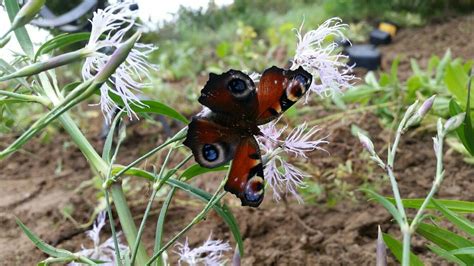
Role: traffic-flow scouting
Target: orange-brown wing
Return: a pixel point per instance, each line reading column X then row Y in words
column 212, row 144
column 278, row 90
column 246, row 174
column 231, row 93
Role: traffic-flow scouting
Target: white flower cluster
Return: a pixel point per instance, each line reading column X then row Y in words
column 209, row 254
column 109, row 26
column 281, row 175
column 103, row 252
column 330, row 72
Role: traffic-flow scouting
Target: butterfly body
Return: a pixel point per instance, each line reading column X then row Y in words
column 236, row 108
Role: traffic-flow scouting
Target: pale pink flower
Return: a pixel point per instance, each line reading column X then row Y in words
column 299, row 140
column 282, row 176
column 210, row 253
column 330, row 72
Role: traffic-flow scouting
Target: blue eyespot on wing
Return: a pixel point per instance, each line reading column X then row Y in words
column 212, row 144
column 246, row 174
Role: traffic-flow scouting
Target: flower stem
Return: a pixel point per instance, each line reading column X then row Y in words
column 180, row 135
column 29, row 98
column 436, row 184
column 126, row 220
column 215, row 198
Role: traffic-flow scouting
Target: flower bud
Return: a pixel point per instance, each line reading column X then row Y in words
column 117, row 58
column 366, row 142
column 454, row 122
column 420, row 113
column 426, row 106
column 236, row 257
column 25, row 15
column 51, row 63
column 381, row 250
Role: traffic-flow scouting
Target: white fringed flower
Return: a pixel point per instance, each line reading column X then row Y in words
column 330, row 74
column 210, row 253
column 103, row 252
column 114, row 22
column 282, row 176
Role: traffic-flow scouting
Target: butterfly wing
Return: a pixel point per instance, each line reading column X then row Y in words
column 231, row 93
column 212, row 144
column 246, row 174
column 278, row 90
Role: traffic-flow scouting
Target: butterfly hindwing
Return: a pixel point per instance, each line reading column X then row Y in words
column 212, row 144
column 246, row 174
column 278, row 90
column 231, row 93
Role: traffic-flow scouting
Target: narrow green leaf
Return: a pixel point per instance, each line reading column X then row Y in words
column 386, row 203
column 106, row 152
column 61, row 41
column 453, row 205
column 468, row 250
column 7, row 68
column 221, row 209
column 445, row 254
column 160, row 225
column 455, row 109
column 196, row 169
column 461, row 222
column 20, row 33
column 397, row 249
column 46, row 248
column 468, row 129
column 152, row 107
column 446, row 240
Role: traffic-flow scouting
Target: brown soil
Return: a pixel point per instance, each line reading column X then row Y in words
column 337, row 228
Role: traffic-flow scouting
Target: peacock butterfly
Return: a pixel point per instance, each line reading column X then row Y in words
column 226, row 130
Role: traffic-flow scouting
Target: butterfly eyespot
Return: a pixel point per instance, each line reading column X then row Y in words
column 210, row 152
column 301, row 79
column 237, row 86
column 254, row 190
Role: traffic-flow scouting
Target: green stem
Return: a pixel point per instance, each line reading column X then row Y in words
column 126, row 220
column 30, row 98
column 124, row 214
column 406, row 246
column 160, row 225
column 180, row 135
column 118, row 258
column 142, row 226
column 215, row 198
column 436, row 184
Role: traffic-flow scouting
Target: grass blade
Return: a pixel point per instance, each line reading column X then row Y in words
column 386, row 203
column 43, row 246
column 446, row 240
column 20, row 33
column 446, row 255
column 453, row 205
column 106, row 152
column 396, row 248
column 152, row 107
column 461, row 222
column 196, row 169
column 468, row 250
column 60, row 41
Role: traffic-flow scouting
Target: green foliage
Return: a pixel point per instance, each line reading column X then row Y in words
column 396, row 248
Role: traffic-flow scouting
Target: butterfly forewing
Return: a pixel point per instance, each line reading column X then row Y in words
column 231, row 93
column 278, row 90
column 212, row 144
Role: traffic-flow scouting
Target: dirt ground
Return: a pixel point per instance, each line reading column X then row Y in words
column 337, row 228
